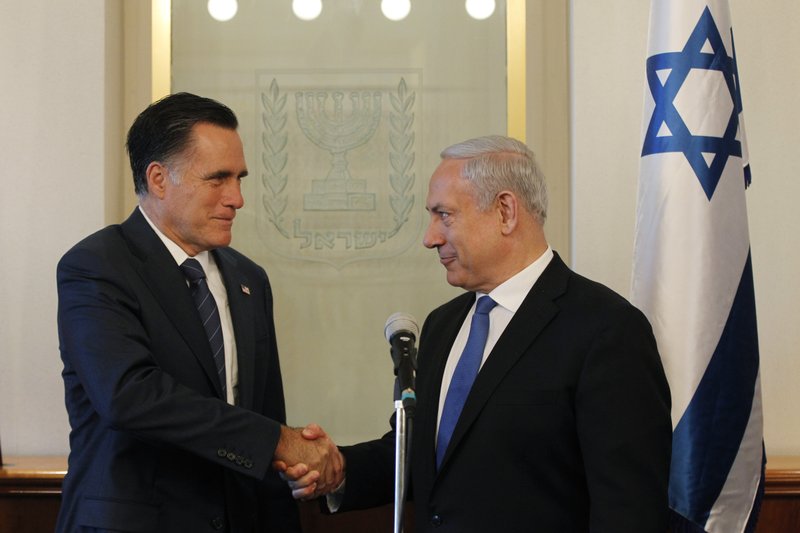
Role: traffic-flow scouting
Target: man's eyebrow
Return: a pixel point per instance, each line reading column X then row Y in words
column 221, row 174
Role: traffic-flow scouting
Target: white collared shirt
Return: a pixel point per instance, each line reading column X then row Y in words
column 217, row 287
column 509, row 296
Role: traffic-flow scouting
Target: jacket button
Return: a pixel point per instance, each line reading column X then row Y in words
column 217, row 523
column 436, row 520
column 222, row 452
column 248, row 463
column 231, row 456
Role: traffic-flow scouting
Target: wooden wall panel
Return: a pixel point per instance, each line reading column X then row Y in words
column 30, row 495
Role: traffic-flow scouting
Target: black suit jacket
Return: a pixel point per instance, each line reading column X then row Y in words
column 566, row 428
column 154, row 447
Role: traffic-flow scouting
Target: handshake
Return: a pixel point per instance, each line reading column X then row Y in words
column 309, row 461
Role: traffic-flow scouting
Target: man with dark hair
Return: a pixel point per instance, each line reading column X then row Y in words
column 542, row 404
column 172, row 380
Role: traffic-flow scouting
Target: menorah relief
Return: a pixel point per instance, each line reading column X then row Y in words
column 336, row 132
column 344, row 219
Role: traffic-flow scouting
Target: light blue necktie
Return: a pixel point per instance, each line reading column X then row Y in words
column 464, row 375
column 209, row 314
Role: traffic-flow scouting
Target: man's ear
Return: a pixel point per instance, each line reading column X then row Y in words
column 508, row 209
column 157, row 175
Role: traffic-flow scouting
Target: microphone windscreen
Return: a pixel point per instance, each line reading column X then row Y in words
column 400, row 322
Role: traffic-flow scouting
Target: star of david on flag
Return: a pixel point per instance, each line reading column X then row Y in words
column 692, row 270
column 703, row 61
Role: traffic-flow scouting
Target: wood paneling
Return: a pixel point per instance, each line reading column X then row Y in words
column 780, row 512
column 30, row 494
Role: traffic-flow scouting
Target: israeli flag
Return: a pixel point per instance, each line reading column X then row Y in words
column 692, row 272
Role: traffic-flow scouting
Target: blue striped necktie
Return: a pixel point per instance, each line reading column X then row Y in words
column 209, row 314
column 464, row 375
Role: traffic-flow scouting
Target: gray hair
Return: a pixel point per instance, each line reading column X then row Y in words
column 496, row 163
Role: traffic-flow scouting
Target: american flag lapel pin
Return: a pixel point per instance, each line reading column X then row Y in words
column 245, row 289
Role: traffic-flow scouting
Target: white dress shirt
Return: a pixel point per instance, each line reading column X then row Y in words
column 217, row 287
column 509, row 296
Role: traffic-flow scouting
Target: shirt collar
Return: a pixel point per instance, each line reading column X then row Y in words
column 176, row 251
column 513, row 291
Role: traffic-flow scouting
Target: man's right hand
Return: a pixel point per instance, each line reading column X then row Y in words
column 308, row 461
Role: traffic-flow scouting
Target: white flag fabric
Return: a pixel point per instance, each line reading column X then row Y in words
column 692, row 272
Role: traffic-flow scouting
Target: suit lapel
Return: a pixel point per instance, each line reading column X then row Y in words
column 168, row 287
column 536, row 311
column 241, row 306
column 433, row 360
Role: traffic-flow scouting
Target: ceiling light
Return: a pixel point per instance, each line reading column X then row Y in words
column 222, row 10
column 307, row 9
column 395, row 9
column 480, row 9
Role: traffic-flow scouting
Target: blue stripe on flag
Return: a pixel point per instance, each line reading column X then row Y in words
column 752, row 521
column 708, row 434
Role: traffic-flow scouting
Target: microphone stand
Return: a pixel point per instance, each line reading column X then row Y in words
column 405, row 403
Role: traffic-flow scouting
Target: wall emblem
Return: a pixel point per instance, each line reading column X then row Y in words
column 338, row 173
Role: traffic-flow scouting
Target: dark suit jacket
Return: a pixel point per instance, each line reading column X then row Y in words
column 567, row 426
column 153, row 446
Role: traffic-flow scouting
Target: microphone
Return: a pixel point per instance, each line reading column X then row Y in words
column 401, row 331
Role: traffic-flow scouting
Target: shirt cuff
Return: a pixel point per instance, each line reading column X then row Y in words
column 334, row 499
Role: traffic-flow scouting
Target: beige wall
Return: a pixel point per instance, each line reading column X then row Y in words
column 62, row 158
column 58, row 99
column 609, row 40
